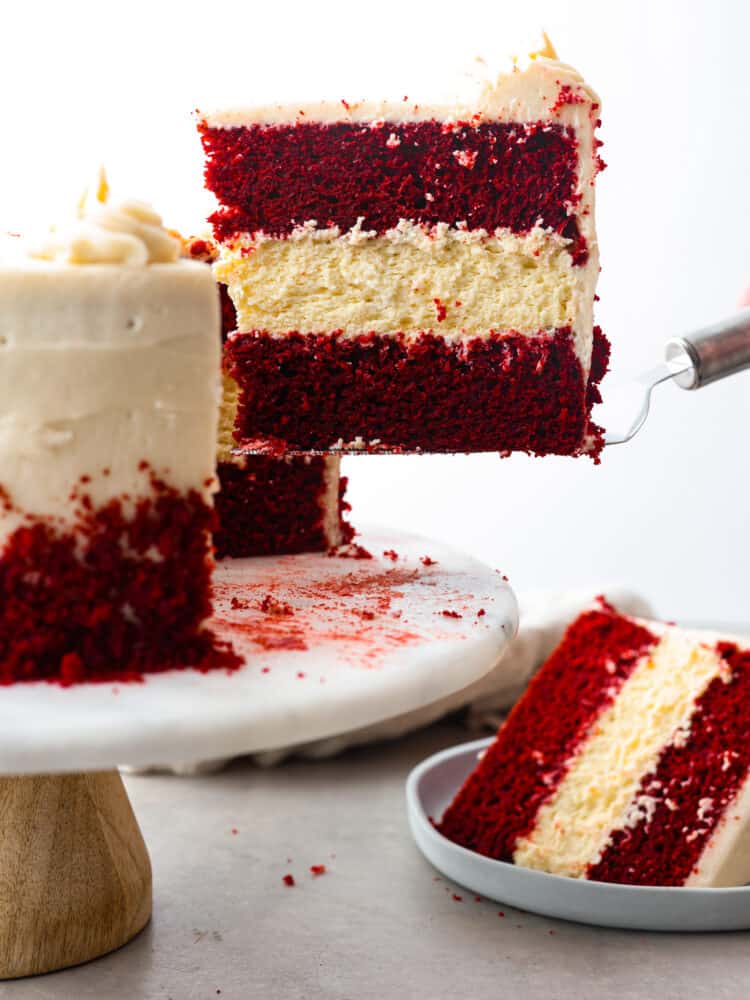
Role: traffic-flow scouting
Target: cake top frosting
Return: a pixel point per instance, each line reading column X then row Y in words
column 535, row 86
column 127, row 233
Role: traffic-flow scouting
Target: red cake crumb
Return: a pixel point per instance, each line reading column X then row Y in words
column 63, row 591
column 260, row 175
column 499, row 802
column 502, row 393
column 270, row 606
column 350, row 551
column 481, row 613
column 457, row 898
column 318, row 870
column 427, row 561
column 700, row 768
column 391, row 554
column 442, row 312
column 266, row 506
column 451, row 614
column 288, row 880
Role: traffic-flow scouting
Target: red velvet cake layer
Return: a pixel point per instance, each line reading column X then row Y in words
column 701, row 769
column 502, row 393
column 490, row 174
column 273, row 506
column 118, row 596
column 522, row 768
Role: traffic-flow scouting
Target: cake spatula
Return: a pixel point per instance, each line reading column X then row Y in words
column 706, row 356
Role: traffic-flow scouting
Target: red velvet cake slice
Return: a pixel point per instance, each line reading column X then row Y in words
column 411, row 277
column 274, row 506
column 268, row 505
column 109, row 364
column 627, row 760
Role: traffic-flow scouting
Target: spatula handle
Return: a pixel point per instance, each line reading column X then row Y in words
column 715, row 352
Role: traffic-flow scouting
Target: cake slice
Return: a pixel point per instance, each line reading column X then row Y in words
column 109, row 400
column 411, row 277
column 627, row 760
column 269, row 505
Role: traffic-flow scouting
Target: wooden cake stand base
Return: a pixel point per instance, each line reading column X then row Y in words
column 75, row 876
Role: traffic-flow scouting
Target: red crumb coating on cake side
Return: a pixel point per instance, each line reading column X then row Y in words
column 521, row 770
column 486, row 174
column 63, row 590
column 505, row 392
column 666, row 849
column 273, row 506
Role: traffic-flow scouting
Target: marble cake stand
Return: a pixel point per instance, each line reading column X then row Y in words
column 329, row 644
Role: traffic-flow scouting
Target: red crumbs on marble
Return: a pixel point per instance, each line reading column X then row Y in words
column 427, row 561
column 318, row 870
column 288, row 880
column 457, row 898
column 391, row 554
column 350, row 551
column 352, row 607
column 451, row 614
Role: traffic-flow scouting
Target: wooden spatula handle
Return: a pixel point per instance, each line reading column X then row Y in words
column 715, row 352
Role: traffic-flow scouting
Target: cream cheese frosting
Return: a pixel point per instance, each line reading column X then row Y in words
column 109, row 357
column 129, row 234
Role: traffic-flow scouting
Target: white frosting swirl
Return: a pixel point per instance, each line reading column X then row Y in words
column 130, row 234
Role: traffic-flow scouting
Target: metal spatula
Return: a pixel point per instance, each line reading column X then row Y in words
column 706, row 356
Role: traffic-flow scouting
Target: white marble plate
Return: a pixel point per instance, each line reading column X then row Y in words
column 366, row 640
column 431, row 787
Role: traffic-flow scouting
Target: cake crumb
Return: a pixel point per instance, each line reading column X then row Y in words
column 391, row 554
column 350, row 551
column 456, row 898
column 451, row 614
column 277, row 609
column 288, row 880
column 317, row 870
column 428, row 561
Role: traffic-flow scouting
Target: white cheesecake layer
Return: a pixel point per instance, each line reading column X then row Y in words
column 599, row 792
column 457, row 283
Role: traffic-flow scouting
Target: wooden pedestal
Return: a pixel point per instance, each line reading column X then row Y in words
column 75, row 876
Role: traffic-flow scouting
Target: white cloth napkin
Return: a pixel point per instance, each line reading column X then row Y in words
column 543, row 619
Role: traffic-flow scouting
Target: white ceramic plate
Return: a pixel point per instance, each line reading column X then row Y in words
column 367, row 640
column 432, row 785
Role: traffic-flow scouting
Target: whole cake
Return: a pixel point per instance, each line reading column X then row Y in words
column 410, row 277
column 627, row 760
column 269, row 505
column 109, row 365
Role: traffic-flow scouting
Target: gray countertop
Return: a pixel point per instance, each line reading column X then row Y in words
column 377, row 924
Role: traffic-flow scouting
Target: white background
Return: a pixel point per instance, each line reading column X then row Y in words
column 668, row 514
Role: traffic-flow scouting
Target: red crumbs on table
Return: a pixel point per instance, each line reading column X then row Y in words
column 318, row 870
column 451, row 614
column 427, row 561
column 288, row 880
